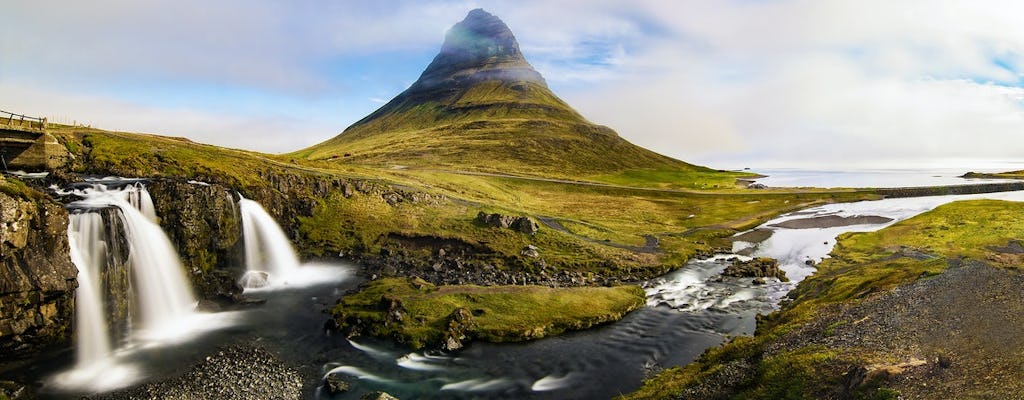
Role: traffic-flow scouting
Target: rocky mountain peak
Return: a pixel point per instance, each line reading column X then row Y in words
column 479, row 48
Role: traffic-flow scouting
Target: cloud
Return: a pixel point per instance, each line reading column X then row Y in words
column 809, row 83
column 266, row 132
column 726, row 83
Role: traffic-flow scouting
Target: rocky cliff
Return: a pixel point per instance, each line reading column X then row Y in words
column 37, row 278
column 202, row 221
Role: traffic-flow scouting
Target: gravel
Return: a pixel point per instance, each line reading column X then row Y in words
column 240, row 371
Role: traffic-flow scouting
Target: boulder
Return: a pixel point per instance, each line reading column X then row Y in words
column 335, row 384
column 518, row 224
column 762, row 267
column 459, row 323
column 378, row 396
column 531, row 251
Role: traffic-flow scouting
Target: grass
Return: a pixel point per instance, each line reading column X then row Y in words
column 686, row 222
column 861, row 264
column 517, row 128
column 499, row 314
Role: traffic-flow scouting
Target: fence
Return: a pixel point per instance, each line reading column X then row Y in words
column 9, row 120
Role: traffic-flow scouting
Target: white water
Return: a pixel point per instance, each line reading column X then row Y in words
column 699, row 286
column 165, row 297
column 159, row 284
column 269, row 257
column 93, row 340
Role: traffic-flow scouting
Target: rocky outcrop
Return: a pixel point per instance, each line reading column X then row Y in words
column 203, row 222
column 518, row 224
column 459, row 323
column 759, row 268
column 37, row 278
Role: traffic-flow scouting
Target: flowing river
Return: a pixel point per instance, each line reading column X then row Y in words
column 688, row 311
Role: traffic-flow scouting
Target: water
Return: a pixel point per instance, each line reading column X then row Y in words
column 875, row 178
column 93, row 340
column 270, row 260
column 158, row 289
column 687, row 311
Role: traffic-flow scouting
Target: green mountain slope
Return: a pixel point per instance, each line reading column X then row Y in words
column 480, row 106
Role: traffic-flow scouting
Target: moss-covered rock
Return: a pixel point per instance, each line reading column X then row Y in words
column 37, row 278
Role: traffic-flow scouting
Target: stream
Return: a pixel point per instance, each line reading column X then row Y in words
column 688, row 311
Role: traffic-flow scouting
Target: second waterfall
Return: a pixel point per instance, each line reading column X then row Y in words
column 269, row 257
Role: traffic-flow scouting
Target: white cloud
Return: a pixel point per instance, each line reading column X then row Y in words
column 266, row 132
column 742, row 83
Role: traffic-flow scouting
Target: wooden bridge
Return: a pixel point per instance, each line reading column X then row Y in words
column 26, row 144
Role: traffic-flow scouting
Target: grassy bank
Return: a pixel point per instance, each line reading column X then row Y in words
column 420, row 315
column 819, row 345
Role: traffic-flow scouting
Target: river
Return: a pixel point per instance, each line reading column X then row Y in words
column 688, row 311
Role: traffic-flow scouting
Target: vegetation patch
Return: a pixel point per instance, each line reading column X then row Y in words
column 420, row 314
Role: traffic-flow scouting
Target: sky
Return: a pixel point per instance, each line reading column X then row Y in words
column 729, row 84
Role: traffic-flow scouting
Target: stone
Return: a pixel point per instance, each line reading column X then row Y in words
column 531, row 251
column 460, row 321
column 762, row 267
column 335, row 384
column 38, row 279
column 378, row 396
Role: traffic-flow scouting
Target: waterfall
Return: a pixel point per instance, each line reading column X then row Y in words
column 158, row 296
column 84, row 237
column 269, row 256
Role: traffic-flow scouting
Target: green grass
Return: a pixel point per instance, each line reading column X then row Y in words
column 493, row 126
column 500, row 314
column 861, row 264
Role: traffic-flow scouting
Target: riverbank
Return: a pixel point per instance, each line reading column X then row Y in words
column 241, row 371
column 922, row 309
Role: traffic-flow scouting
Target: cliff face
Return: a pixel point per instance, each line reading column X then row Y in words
column 37, row 278
column 203, row 223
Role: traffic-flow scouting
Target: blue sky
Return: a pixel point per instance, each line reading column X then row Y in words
column 725, row 83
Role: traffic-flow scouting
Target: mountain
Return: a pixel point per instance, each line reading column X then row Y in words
column 481, row 106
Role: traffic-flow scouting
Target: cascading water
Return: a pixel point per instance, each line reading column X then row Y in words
column 90, row 322
column 269, row 256
column 113, row 235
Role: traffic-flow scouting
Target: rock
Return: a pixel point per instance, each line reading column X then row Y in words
column 480, row 48
column 525, row 225
column 378, row 396
column 757, row 186
column 518, row 224
column 759, row 281
column 38, row 280
column 459, row 323
column 762, row 267
column 531, row 251
column 945, row 361
column 254, row 279
column 335, row 384
column 208, row 306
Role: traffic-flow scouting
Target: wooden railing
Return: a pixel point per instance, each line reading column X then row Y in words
column 22, row 122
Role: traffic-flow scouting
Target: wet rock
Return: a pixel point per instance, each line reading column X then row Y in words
column 241, row 371
column 335, row 384
column 208, row 306
column 378, row 396
column 762, row 267
column 38, row 280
